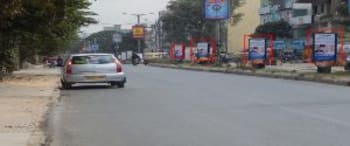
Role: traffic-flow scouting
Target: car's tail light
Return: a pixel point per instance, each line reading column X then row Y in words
column 69, row 69
column 119, row 67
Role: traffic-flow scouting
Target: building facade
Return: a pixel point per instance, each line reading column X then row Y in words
column 275, row 10
column 303, row 14
column 250, row 20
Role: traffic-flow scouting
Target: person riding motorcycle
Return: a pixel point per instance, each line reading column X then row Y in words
column 135, row 59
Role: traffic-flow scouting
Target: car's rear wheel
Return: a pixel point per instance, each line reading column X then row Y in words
column 66, row 85
column 117, row 84
column 121, row 85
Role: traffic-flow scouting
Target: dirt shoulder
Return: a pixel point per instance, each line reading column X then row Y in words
column 24, row 101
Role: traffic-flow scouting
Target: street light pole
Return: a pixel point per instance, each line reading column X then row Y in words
column 138, row 16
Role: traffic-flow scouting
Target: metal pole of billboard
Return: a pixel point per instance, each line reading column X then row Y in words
column 218, row 42
column 138, row 40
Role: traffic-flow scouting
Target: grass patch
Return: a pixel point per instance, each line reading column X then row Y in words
column 341, row 73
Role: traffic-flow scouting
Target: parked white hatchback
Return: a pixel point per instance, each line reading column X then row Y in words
column 93, row 68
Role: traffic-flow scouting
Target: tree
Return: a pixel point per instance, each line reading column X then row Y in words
column 106, row 44
column 40, row 27
column 280, row 29
column 184, row 18
column 129, row 43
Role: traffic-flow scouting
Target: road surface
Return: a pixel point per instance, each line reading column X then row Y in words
column 165, row 107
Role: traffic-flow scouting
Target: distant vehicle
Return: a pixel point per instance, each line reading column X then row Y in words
column 287, row 56
column 93, row 68
column 135, row 59
column 347, row 63
column 226, row 58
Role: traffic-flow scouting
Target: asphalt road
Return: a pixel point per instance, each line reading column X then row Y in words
column 165, row 107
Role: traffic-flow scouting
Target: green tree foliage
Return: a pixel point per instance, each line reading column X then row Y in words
column 129, row 43
column 184, row 18
column 106, row 44
column 40, row 27
column 103, row 38
column 280, row 29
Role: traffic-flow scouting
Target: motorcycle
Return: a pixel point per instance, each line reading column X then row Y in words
column 136, row 61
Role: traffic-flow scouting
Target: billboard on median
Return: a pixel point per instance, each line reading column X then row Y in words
column 257, row 49
column 179, row 52
column 203, row 49
column 325, row 47
column 117, row 38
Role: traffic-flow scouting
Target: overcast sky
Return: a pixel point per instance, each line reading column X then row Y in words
column 110, row 12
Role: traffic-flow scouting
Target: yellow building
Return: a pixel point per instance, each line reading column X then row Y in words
column 250, row 20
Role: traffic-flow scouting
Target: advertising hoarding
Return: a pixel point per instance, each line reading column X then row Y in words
column 346, row 47
column 216, row 9
column 348, row 6
column 94, row 47
column 179, row 52
column 257, row 49
column 117, row 38
column 203, row 49
column 138, row 31
column 188, row 53
column 325, row 47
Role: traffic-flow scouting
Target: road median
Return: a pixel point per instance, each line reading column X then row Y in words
column 342, row 79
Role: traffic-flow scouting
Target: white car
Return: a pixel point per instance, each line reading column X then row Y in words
column 93, row 68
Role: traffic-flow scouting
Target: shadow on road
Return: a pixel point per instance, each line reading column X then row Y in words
column 90, row 87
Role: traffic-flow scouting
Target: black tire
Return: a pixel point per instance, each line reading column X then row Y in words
column 136, row 61
column 121, row 85
column 66, row 85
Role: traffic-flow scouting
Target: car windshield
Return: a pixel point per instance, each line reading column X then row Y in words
column 92, row 59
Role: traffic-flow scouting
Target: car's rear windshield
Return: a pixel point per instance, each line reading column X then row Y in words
column 93, row 59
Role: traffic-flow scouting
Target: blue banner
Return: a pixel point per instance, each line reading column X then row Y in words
column 279, row 45
column 349, row 6
column 298, row 44
column 216, row 9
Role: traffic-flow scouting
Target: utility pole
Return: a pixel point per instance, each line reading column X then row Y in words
column 138, row 16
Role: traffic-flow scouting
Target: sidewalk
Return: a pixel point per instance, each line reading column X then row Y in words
column 24, row 101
